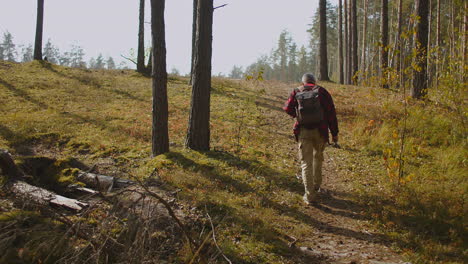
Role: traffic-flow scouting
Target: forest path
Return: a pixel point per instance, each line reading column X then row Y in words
column 341, row 231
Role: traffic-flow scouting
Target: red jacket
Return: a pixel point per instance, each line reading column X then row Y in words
column 329, row 121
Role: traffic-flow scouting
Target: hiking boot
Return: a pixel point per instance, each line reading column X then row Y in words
column 308, row 201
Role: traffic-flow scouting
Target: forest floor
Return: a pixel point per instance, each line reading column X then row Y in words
column 245, row 188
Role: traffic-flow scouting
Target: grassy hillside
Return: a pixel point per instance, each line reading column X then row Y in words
column 247, row 182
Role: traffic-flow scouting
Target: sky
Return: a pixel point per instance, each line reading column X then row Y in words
column 242, row 31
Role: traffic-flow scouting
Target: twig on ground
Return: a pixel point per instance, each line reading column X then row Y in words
column 294, row 241
column 214, row 238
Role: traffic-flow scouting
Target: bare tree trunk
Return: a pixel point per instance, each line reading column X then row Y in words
column 439, row 45
column 340, row 42
column 429, row 46
column 149, row 67
column 39, row 30
column 452, row 29
column 419, row 88
column 364, row 40
column 354, row 44
column 160, row 135
column 465, row 40
column 323, row 41
column 347, row 43
column 384, row 44
column 141, row 39
column 198, row 135
column 194, row 33
column 399, row 43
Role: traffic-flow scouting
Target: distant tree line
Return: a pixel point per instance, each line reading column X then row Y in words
column 288, row 61
column 382, row 43
column 74, row 57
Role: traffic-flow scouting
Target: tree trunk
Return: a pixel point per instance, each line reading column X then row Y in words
column 354, row 44
column 149, row 67
column 340, row 42
column 198, row 135
column 429, row 44
column 419, row 88
column 364, row 40
column 39, row 30
column 160, row 134
column 384, row 44
column 347, row 42
column 465, row 41
column 439, row 44
column 323, row 41
column 194, row 33
column 399, row 43
column 141, row 39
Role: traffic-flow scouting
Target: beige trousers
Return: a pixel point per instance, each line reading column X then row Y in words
column 311, row 147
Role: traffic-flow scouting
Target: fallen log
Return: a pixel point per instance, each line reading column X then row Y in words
column 102, row 182
column 37, row 195
column 29, row 193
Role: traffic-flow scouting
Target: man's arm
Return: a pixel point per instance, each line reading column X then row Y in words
column 291, row 104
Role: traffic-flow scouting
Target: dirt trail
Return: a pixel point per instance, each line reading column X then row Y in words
column 342, row 232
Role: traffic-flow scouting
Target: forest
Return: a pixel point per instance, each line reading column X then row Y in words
column 106, row 162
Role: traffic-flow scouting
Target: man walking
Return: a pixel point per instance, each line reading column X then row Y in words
column 314, row 110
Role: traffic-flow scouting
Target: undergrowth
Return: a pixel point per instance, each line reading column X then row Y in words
column 417, row 193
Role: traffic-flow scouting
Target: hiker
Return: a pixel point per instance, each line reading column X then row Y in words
column 313, row 108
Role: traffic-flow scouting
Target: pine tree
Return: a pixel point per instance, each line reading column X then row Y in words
column 384, row 43
column 340, row 43
column 100, row 64
column 27, row 53
column 198, row 136
column 39, row 30
column 9, row 48
column 141, row 39
column 2, row 51
column 51, row 52
column 280, row 55
column 160, row 134
column 110, row 63
column 420, row 85
column 76, row 56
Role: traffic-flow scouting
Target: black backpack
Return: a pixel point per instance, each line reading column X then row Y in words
column 309, row 110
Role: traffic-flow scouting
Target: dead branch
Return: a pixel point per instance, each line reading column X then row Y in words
column 214, row 238
column 128, row 59
column 220, row 6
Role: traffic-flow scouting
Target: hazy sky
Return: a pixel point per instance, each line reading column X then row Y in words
column 242, row 31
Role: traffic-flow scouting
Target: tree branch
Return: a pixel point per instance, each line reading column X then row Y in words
column 220, row 6
column 128, row 59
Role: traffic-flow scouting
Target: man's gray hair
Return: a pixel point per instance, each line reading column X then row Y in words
column 308, row 78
